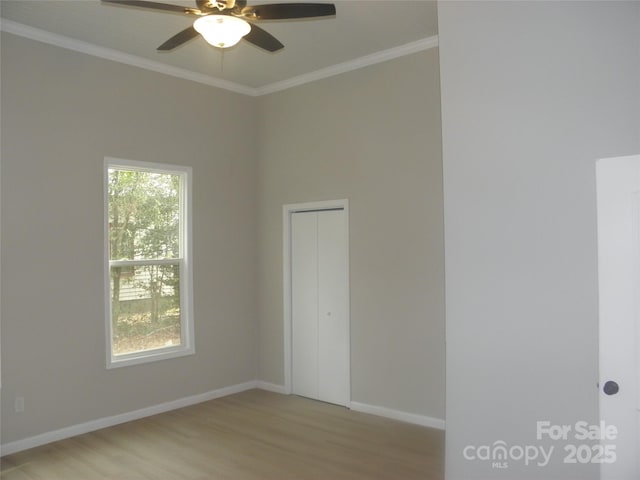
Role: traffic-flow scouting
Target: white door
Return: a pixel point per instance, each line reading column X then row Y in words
column 319, row 306
column 618, row 186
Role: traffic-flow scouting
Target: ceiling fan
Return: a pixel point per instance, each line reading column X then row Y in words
column 223, row 23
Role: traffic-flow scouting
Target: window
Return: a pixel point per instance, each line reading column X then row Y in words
column 148, row 287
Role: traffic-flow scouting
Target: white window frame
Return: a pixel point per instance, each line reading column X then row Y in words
column 187, row 344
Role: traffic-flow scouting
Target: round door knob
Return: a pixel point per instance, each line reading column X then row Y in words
column 611, row 388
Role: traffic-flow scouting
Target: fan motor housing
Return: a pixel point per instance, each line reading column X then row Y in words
column 219, row 5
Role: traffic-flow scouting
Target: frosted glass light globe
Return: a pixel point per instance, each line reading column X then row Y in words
column 221, row 31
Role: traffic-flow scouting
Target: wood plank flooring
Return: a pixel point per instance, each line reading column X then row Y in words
column 253, row 435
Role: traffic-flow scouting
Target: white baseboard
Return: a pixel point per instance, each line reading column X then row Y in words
column 414, row 418
column 93, row 425
column 272, row 387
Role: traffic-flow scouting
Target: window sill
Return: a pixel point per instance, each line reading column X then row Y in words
column 149, row 356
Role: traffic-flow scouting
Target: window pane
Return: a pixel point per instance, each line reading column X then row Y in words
column 144, row 215
column 145, row 307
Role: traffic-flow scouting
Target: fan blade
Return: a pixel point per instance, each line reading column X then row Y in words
column 281, row 11
column 178, row 39
column 155, row 6
column 263, row 39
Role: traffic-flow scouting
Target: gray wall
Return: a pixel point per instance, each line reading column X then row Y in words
column 533, row 93
column 62, row 113
column 372, row 136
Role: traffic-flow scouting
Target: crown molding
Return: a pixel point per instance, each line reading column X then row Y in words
column 68, row 43
column 378, row 57
column 44, row 36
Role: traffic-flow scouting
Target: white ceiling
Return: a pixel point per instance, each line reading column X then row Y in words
column 361, row 28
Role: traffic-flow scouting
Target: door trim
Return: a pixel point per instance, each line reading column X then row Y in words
column 287, row 211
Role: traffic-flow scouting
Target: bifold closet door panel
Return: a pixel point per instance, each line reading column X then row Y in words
column 304, row 303
column 332, row 312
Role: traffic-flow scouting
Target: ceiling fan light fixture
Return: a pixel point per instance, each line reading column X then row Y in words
column 221, row 31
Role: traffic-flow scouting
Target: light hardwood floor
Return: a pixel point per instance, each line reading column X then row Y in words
column 247, row 436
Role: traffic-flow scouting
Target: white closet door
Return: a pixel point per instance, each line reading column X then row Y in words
column 332, row 307
column 320, row 321
column 304, row 303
